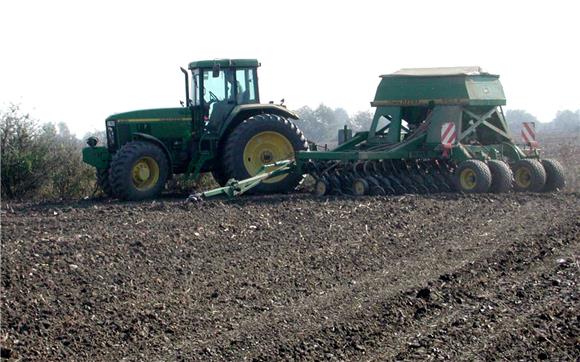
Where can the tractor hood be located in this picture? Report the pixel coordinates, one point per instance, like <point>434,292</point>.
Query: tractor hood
<point>153,114</point>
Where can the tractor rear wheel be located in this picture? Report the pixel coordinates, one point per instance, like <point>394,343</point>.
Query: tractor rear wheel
<point>502,177</point>
<point>555,179</point>
<point>473,176</point>
<point>260,140</point>
<point>103,181</point>
<point>529,175</point>
<point>138,171</point>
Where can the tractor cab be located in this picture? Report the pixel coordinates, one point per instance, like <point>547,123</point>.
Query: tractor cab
<point>221,85</point>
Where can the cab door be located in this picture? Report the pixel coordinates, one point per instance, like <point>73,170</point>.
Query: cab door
<point>219,96</point>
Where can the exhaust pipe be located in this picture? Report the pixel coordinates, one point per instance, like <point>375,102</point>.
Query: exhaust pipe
<point>187,101</point>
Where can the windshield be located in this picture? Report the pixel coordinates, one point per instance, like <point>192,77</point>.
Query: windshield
<point>217,89</point>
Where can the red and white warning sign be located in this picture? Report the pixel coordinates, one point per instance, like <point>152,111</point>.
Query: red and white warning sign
<point>529,133</point>
<point>448,137</point>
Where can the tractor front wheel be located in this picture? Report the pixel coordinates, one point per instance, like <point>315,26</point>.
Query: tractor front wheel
<point>529,175</point>
<point>473,176</point>
<point>138,171</point>
<point>260,140</point>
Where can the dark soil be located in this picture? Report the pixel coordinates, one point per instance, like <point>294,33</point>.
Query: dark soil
<point>293,277</point>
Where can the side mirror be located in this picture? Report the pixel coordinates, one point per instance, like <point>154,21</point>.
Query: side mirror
<point>215,72</point>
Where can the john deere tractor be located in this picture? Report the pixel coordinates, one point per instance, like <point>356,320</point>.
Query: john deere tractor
<point>222,128</point>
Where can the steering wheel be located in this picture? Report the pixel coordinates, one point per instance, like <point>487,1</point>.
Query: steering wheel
<point>212,97</point>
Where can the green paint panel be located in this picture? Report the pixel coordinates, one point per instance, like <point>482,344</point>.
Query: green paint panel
<point>158,113</point>
<point>458,89</point>
<point>224,63</point>
<point>99,157</point>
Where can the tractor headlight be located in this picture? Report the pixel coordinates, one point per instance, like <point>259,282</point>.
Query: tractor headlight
<point>92,141</point>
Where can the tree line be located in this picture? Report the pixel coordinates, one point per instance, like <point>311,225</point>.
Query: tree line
<point>44,161</point>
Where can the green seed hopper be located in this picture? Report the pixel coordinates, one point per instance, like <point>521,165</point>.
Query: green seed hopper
<point>434,130</point>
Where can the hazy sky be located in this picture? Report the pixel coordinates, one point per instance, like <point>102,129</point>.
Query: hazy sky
<point>78,62</point>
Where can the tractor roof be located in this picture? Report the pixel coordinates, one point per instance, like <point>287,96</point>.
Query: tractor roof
<point>437,72</point>
<point>224,63</point>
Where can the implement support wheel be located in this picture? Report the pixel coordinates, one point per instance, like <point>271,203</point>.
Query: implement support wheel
<point>502,178</point>
<point>555,179</point>
<point>529,176</point>
<point>473,176</point>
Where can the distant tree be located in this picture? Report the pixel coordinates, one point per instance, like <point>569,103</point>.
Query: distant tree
<point>565,121</point>
<point>362,121</point>
<point>306,122</point>
<point>515,118</point>
<point>318,124</point>
<point>341,119</point>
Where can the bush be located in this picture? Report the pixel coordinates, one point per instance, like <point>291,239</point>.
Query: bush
<point>69,176</point>
<point>39,161</point>
<point>23,155</point>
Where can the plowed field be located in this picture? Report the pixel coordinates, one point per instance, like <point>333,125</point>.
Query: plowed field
<point>293,277</point>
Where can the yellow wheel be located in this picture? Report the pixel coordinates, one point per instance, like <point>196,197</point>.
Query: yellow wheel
<point>266,148</point>
<point>468,179</point>
<point>261,140</point>
<point>145,173</point>
<point>529,175</point>
<point>523,177</point>
<point>473,176</point>
<point>138,171</point>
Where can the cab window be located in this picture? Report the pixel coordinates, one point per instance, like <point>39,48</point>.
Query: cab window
<point>214,88</point>
<point>246,86</point>
<point>218,91</point>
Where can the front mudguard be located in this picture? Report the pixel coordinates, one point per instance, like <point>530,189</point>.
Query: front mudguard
<point>98,157</point>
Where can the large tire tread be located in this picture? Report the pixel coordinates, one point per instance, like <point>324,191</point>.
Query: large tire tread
<point>233,165</point>
<point>103,181</point>
<point>502,177</point>
<point>482,175</point>
<point>555,175</point>
<point>537,175</point>
<point>120,174</point>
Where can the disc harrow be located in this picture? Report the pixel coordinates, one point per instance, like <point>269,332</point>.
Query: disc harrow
<point>382,177</point>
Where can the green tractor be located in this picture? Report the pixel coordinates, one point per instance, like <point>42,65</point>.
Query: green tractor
<point>222,128</point>
<point>434,130</point>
